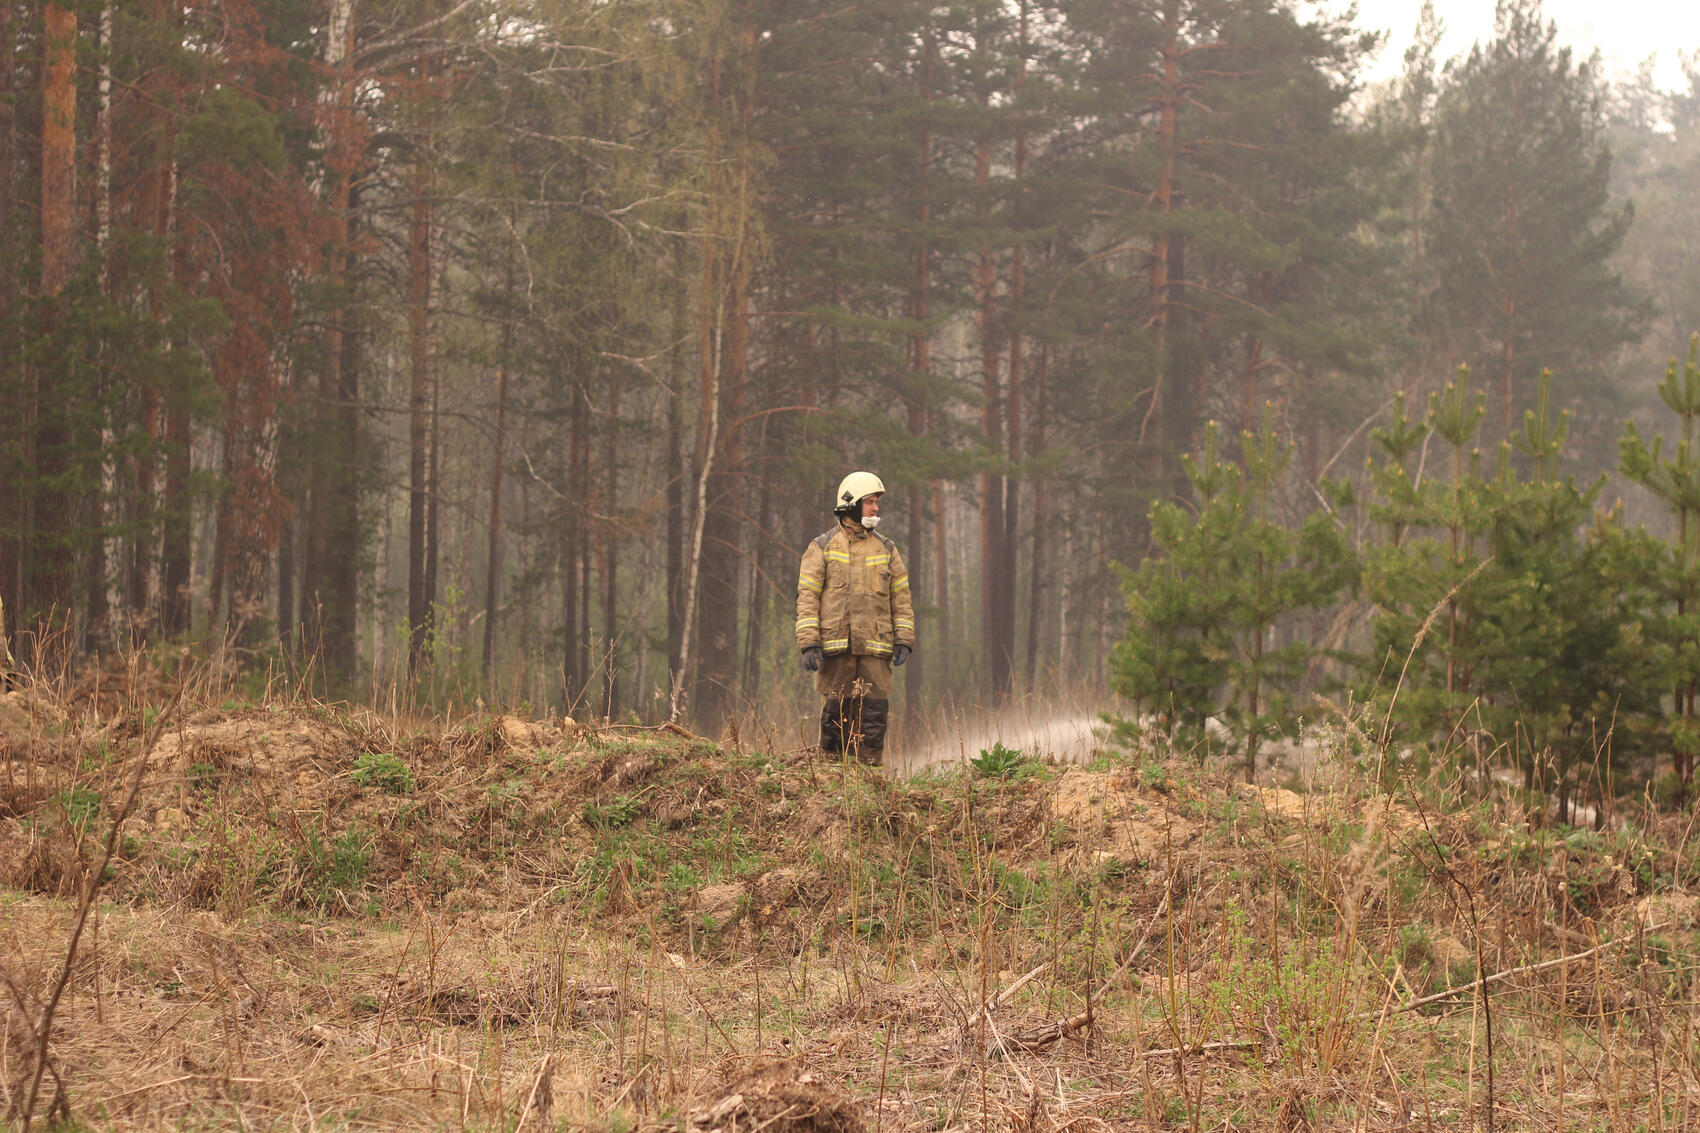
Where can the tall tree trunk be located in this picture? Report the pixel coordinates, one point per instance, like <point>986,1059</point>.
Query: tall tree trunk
<point>756,599</point>
<point>994,650</point>
<point>330,567</point>
<point>1037,582</point>
<point>155,215</point>
<point>1509,287</point>
<point>287,618</point>
<point>11,409</point>
<point>1173,402</point>
<point>723,526</point>
<point>58,148</point>
<point>579,481</point>
<point>1160,295</point>
<point>177,531</point>
<point>720,550</point>
<point>418,421</point>
<point>1248,387</point>
<point>1010,544</point>
<point>498,468</point>
<point>610,546</point>
<point>576,583</point>
<point>675,457</point>
<point>346,529</point>
<point>49,583</point>
<point>103,552</point>
<point>941,584</point>
<point>434,508</point>
<point>920,354</point>
<point>572,539</point>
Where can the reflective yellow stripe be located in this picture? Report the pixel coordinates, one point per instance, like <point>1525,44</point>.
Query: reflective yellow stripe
<point>808,623</point>
<point>878,647</point>
<point>902,623</point>
<point>804,582</point>
<point>900,584</point>
<point>878,560</point>
<point>836,645</point>
<point>838,556</point>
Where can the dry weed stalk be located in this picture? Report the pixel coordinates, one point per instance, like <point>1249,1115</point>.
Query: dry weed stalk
<point>41,1028</point>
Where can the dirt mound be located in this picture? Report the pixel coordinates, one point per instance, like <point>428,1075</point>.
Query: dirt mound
<point>780,1095</point>
<point>25,714</point>
<point>1112,813</point>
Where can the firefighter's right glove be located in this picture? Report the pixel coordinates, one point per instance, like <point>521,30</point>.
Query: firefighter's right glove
<point>813,656</point>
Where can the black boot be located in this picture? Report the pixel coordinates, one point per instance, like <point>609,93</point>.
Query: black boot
<point>874,714</point>
<point>831,727</point>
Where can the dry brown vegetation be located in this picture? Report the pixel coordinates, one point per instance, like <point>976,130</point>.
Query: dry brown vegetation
<point>323,916</point>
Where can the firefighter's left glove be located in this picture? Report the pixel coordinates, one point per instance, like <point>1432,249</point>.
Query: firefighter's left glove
<point>899,654</point>
<point>813,656</point>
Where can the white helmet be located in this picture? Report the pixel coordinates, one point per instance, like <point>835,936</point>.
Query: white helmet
<point>853,489</point>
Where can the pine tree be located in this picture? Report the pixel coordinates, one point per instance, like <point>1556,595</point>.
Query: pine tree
<point>1673,570</point>
<point>1204,610</point>
<point>1505,621</point>
<point>1522,235</point>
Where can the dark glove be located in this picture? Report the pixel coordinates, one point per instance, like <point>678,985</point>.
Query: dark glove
<point>900,654</point>
<point>813,656</point>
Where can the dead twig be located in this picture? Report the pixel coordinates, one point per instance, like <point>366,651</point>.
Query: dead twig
<point>85,905</point>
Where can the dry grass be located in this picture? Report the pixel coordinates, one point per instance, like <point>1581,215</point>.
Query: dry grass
<point>323,917</point>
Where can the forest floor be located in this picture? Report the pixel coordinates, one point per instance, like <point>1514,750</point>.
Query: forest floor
<point>317,916</point>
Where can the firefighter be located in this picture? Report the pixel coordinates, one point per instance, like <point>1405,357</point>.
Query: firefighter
<point>855,620</point>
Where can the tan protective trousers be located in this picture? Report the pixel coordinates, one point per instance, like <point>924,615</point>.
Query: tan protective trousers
<point>839,673</point>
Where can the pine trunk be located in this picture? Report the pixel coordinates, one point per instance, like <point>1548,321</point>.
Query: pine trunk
<point>1041,519</point>
<point>576,595</point>
<point>723,525</point>
<point>1008,570</point>
<point>58,148</point>
<point>418,423</point>
<point>498,468</point>
<point>994,650</point>
<point>675,493</point>
<point>941,585</point>
<point>177,533</point>
<point>347,535</point>
<point>11,411</point>
<point>330,569</point>
<point>155,215</point>
<point>610,547</point>
<point>49,585</point>
<point>720,553</point>
<point>920,358</point>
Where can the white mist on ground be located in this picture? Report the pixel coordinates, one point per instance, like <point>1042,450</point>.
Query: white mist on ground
<point>1067,736</point>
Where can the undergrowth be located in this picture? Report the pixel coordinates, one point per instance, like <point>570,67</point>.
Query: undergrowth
<point>387,921</point>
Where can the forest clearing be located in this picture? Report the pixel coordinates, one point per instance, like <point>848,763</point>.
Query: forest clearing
<point>323,916</point>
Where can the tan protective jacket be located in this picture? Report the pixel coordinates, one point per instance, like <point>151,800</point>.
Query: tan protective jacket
<point>853,594</point>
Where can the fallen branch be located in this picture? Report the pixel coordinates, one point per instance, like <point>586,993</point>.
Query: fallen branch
<point>1041,1037</point>
<point>1003,997</point>
<point>1199,1048</point>
<point>1525,970</point>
